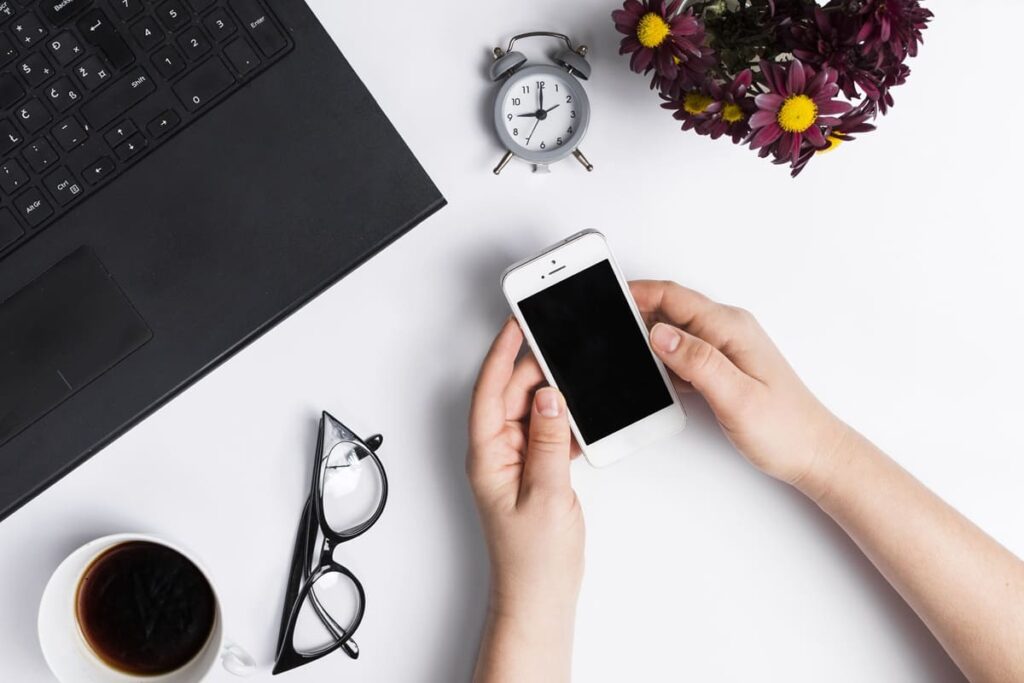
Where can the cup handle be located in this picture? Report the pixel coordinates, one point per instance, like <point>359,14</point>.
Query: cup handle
<point>236,660</point>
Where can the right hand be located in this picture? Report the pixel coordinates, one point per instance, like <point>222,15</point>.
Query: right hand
<point>762,406</point>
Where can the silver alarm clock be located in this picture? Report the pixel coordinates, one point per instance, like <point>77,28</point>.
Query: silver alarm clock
<point>541,112</point>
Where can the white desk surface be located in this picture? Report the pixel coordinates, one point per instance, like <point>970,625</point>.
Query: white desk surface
<point>889,273</point>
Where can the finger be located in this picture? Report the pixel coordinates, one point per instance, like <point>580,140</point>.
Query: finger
<point>487,414</point>
<point>547,453</point>
<point>527,377</point>
<point>731,330</point>
<point>702,365</point>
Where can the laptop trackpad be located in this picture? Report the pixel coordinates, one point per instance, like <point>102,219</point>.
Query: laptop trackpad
<point>57,334</point>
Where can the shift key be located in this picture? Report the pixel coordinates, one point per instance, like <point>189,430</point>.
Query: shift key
<point>118,98</point>
<point>198,88</point>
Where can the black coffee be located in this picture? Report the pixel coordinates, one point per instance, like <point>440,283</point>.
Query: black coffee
<point>144,608</point>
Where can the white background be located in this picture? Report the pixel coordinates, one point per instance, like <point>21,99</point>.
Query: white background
<point>889,273</point>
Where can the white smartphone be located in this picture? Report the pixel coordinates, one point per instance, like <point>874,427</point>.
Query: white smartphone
<point>579,318</point>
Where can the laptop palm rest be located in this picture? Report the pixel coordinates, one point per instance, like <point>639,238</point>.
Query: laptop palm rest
<point>58,333</point>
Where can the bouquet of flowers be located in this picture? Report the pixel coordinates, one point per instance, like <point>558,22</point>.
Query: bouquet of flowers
<point>791,78</point>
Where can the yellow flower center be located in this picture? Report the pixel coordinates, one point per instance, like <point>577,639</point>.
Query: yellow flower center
<point>732,113</point>
<point>833,142</point>
<point>652,30</point>
<point>696,103</point>
<point>797,114</point>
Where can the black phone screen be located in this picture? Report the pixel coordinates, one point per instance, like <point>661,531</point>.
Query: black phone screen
<point>597,355</point>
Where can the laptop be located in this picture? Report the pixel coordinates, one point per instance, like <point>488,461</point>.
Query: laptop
<point>176,177</point>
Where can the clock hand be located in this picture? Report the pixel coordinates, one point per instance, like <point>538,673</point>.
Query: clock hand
<point>530,115</point>
<point>540,90</point>
<point>532,132</point>
<point>550,108</point>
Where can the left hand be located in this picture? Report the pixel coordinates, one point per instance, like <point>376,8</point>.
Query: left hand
<point>518,466</point>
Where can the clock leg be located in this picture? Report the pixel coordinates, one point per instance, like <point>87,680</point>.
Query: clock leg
<point>503,163</point>
<point>582,159</point>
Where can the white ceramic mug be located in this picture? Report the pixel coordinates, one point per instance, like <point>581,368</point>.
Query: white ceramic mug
<point>72,660</point>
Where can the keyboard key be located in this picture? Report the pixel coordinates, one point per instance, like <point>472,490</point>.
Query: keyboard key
<point>242,57</point>
<point>194,44</point>
<point>10,231</point>
<point>10,138</point>
<point>58,12</point>
<point>201,86</point>
<point>132,147</point>
<point>36,70</point>
<point>65,48</point>
<point>40,155</point>
<point>173,15</point>
<point>260,26</point>
<point>92,72</point>
<point>33,207</point>
<point>7,50</point>
<point>119,97</point>
<point>168,62</point>
<point>120,133</point>
<point>63,186</point>
<point>163,124</point>
<point>98,30</point>
<point>28,30</point>
<point>148,33</point>
<point>220,25</point>
<point>98,170</point>
<point>7,10</point>
<point>33,115</point>
<point>12,176</point>
<point>11,91</point>
<point>200,6</point>
<point>126,9</point>
<point>63,95</point>
<point>69,134</point>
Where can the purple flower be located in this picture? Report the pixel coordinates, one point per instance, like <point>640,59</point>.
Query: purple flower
<point>735,107</point>
<point>799,102</point>
<point>660,37</point>
<point>830,40</point>
<point>850,124</point>
<point>892,28</point>
<point>695,107</point>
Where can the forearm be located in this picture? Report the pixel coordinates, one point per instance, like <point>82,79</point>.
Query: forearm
<point>967,588</point>
<point>519,647</point>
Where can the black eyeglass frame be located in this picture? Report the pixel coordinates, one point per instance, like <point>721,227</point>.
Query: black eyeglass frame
<point>304,573</point>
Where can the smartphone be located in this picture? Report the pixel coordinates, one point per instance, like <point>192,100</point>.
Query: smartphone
<point>583,326</point>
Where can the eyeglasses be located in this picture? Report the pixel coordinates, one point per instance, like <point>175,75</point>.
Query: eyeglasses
<point>324,602</point>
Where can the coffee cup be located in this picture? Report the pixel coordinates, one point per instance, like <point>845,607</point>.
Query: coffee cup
<point>71,650</point>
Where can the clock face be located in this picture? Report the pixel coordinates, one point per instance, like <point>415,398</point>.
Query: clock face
<point>543,112</point>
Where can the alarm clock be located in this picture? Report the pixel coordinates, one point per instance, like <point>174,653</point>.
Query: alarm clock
<point>541,111</point>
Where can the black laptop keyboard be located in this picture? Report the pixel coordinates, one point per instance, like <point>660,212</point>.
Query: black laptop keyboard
<point>90,87</point>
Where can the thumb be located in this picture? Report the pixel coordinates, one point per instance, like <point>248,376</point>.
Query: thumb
<point>700,364</point>
<point>548,451</point>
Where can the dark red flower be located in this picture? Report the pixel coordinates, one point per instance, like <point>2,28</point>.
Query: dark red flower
<point>798,104</point>
<point>830,40</point>
<point>732,116</point>
<point>892,28</point>
<point>660,37</point>
<point>850,124</point>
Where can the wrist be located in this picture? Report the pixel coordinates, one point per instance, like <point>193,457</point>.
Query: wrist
<point>835,447</point>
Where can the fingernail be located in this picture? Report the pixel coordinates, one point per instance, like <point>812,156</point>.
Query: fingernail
<point>548,404</point>
<point>665,338</point>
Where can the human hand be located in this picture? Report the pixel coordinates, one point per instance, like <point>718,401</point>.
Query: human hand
<point>518,466</point>
<point>762,406</point>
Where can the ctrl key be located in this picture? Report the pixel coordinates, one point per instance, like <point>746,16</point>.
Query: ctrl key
<point>63,186</point>
<point>33,207</point>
